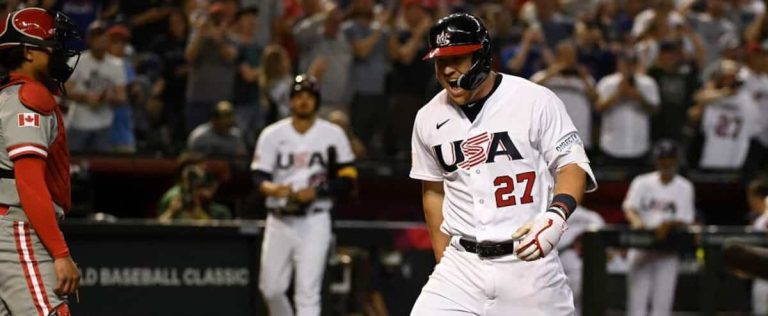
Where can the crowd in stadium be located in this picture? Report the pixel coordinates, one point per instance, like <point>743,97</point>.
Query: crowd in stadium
<point>161,76</point>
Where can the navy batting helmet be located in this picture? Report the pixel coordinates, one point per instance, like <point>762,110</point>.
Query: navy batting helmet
<point>460,34</point>
<point>304,82</point>
<point>666,148</point>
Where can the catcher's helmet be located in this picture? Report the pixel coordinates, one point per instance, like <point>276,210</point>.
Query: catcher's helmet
<point>460,34</point>
<point>666,148</point>
<point>305,82</point>
<point>36,27</point>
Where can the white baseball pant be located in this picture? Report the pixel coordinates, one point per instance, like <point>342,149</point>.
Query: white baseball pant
<point>462,284</point>
<point>294,241</point>
<point>760,297</point>
<point>652,275</point>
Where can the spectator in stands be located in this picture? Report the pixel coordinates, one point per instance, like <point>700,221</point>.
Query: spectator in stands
<point>727,117</point>
<point>170,47</point>
<point>211,54</point>
<point>219,137</point>
<point>123,138</point>
<point>615,21</point>
<point>96,86</point>
<point>510,28</point>
<point>626,100</point>
<point>269,13</point>
<point>410,75</point>
<point>326,54</point>
<point>593,51</point>
<point>574,85</point>
<point>368,35</point>
<point>275,83</point>
<point>677,80</point>
<point>529,56</point>
<point>714,28</point>
<point>555,26</point>
<point>193,196</point>
<point>658,31</point>
<point>145,18</point>
<point>246,96</point>
<point>662,11</point>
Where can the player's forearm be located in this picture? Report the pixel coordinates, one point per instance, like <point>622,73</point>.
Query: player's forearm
<point>36,201</point>
<point>269,188</point>
<point>633,218</point>
<point>432,199</point>
<point>571,180</point>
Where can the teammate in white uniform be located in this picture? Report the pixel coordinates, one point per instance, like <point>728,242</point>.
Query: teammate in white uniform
<point>491,151</point>
<point>300,164</point>
<point>654,199</point>
<point>570,248</point>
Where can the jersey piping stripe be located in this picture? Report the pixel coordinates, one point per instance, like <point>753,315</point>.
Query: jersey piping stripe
<point>26,149</point>
<point>34,282</point>
<point>39,276</point>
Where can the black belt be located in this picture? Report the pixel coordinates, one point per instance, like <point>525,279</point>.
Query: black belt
<point>299,212</point>
<point>488,249</point>
<point>7,174</point>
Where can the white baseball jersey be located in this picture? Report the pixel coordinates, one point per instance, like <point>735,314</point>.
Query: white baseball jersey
<point>625,131</point>
<point>656,202</point>
<point>300,160</point>
<point>498,171</point>
<point>728,125</point>
<point>757,86</point>
<point>572,91</point>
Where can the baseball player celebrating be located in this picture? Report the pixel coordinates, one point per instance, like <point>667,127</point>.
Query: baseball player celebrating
<point>655,200</point>
<point>36,270</point>
<point>502,169</point>
<point>300,164</point>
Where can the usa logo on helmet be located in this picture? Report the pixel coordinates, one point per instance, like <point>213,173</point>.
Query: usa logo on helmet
<point>443,39</point>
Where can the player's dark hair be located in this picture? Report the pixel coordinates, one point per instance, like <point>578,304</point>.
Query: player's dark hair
<point>760,185</point>
<point>12,58</point>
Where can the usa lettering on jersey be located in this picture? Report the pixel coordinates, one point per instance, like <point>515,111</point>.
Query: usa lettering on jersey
<point>481,148</point>
<point>300,160</point>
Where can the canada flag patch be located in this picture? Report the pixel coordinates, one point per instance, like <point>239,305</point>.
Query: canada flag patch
<point>29,120</point>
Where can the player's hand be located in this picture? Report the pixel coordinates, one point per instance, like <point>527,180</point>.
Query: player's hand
<point>539,236</point>
<point>282,191</point>
<point>67,276</point>
<point>306,195</point>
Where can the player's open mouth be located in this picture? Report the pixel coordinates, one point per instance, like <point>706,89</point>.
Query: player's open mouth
<point>453,83</point>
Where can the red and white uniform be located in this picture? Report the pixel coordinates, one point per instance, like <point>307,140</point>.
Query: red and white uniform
<point>498,173</point>
<point>34,192</point>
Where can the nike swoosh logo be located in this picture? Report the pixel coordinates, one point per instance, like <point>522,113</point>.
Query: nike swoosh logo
<point>439,125</point>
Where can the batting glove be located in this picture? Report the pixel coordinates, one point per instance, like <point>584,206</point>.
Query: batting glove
<point>539,236</point>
